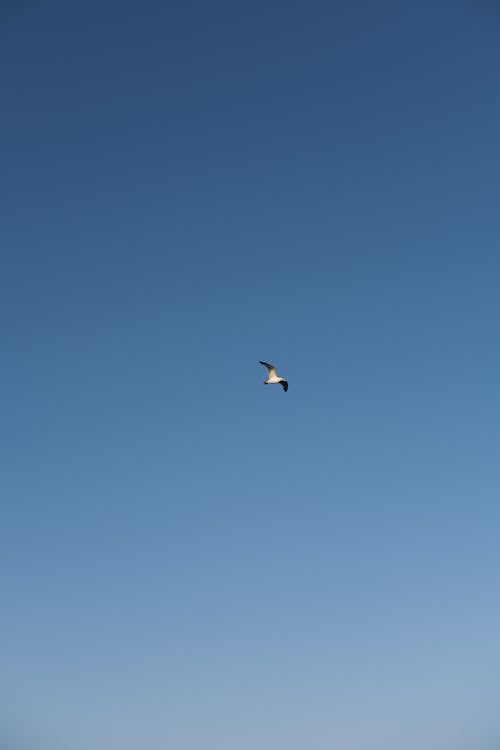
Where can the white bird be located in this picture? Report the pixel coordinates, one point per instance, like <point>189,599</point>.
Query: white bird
<point>273,376</point>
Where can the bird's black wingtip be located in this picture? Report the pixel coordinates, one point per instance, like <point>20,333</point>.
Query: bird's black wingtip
<point>284,383</point>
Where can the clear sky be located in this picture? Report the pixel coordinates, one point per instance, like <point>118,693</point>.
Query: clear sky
<point>190,559</point>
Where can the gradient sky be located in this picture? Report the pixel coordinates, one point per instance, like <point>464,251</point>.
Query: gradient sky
<point>191,560</point>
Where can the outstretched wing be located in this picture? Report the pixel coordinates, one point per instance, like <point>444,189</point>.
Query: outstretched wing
<point>284,383</point>
<point>271,368</point>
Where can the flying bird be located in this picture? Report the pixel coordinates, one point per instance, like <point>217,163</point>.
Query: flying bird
<point>273,376</point>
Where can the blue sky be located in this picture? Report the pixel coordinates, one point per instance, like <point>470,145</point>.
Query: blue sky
<point>190,559</point>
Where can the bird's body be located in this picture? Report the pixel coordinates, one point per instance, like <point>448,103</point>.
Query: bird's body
<point>273,378</point>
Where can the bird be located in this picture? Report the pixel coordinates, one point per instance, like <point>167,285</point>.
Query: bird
<point>273,377</point>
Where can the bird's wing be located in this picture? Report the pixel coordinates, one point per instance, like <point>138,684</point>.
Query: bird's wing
<point>284,383</point>
<point>271,368</point>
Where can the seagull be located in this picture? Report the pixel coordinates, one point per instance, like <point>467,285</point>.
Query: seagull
<point>273,377</point>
